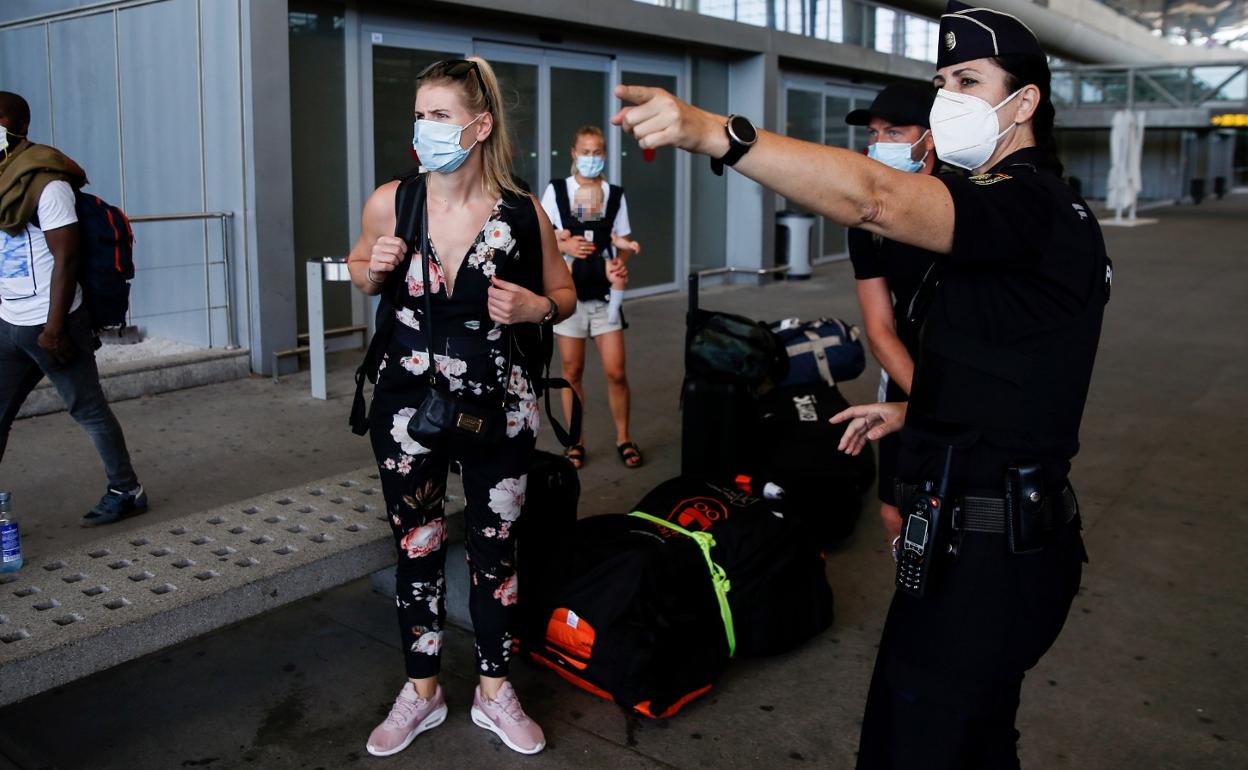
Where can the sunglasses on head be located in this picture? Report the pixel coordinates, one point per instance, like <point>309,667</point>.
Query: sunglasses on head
<point>457,69</point>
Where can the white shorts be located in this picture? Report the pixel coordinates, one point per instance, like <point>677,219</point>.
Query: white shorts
<point>589,320</point>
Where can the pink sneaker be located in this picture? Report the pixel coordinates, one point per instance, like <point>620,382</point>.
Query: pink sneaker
<point>506,719</point>
<point>410,716</point>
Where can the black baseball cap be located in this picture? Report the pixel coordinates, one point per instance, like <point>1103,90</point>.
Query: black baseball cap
<point>902,104</point>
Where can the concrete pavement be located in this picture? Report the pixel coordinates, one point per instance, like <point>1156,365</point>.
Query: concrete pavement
<point>1149,671</point>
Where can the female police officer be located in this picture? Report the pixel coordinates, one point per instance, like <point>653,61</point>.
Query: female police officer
<point>1006,359</point>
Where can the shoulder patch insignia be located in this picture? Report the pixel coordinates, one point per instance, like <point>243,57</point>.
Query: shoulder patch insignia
<point>987,179</point>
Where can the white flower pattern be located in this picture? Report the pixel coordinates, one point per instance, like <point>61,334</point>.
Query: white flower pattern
<point>398,432</point>
<point>507,497</point>
<point>498,235</point>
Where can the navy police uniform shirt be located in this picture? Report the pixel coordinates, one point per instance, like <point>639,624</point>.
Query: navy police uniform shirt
<point>1025,283</point>
<point>901,265</point>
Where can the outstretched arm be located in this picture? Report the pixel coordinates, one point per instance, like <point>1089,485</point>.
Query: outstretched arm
<point>839,184</point>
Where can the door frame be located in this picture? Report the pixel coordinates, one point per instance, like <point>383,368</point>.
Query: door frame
<point>364,30</point>
<point>680,69</point>
<point>860,96</point>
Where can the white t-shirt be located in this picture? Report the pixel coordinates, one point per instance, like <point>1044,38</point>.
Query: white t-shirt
<point>26,262</point>
<point>621,226</point>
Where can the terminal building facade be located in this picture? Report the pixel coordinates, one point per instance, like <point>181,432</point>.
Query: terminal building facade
<point>245,135</point>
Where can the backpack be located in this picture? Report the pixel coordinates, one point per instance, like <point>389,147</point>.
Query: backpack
<point>105,260</point>
<point>730,348</point>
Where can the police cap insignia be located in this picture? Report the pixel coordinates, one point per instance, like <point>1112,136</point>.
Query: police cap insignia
<point>972,33</point>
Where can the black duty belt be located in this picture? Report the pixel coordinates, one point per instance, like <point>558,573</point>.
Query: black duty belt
<point>986,513</point>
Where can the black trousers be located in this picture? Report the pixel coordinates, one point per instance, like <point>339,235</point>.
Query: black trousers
<point>950,667</point>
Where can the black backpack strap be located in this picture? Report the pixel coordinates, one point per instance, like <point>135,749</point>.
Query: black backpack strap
<point>409,201</point>
<point>560,186</point>
<point>615,198</point>
<point>569,437</point>
<point>538,345</point>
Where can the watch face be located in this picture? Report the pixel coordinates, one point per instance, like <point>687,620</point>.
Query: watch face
<point>742,129</point>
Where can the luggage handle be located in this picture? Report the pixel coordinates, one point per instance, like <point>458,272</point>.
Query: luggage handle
<point>696,277</point>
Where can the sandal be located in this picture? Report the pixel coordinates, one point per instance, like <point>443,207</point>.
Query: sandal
<point>575,455</point>
<point>630,454</point>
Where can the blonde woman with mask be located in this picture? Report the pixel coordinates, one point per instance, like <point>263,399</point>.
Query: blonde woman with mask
<point>461,329</point>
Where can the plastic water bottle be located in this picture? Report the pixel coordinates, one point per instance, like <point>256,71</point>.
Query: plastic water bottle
<point>10,538</point>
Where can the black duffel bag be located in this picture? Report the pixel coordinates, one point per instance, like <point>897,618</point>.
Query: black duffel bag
<point>778,588</point>
<point>636,619</point>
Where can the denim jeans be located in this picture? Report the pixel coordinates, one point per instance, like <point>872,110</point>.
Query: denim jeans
<point>23,364</point>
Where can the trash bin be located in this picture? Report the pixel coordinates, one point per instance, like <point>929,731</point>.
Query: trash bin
<point>1197,188</point>
<point>793,242</point>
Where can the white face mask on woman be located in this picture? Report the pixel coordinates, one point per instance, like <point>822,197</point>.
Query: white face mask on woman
<point>965,128</point>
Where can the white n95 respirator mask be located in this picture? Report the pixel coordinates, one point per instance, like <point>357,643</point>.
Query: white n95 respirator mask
<point>965,128</point>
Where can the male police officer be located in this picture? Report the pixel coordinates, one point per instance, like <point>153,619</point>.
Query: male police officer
<point>889,273</point>
<point>1007,350</point>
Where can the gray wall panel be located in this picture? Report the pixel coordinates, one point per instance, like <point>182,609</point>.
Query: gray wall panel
<point>24,70</point>
<point>223,142</point>
<point>159,66</point>
<point>160,127</point>
<point>84,99</point>
<point>12,10</point>
<point>161,291</point>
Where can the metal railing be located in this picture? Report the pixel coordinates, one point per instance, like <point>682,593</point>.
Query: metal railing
<point>1164,86</point>
<point>224,217</point>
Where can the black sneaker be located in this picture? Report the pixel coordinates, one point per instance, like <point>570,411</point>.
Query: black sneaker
<point>115,506</point>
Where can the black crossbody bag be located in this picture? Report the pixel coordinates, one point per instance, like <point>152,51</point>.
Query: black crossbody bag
<point>441,415</point>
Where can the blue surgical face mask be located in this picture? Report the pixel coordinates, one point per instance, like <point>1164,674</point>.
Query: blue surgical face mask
<point>590,166</point>
<point>437,145</point>
<point>897,155</point>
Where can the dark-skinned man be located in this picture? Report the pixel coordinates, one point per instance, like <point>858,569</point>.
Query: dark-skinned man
<point>44,329</point>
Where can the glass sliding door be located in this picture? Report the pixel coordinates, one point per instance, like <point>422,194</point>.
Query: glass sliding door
<point>578,97</point>
<point>394,93</point>
<point>837,134</point>
<point>815,112</point>
<point>650,180</point>
<point>518,84</point>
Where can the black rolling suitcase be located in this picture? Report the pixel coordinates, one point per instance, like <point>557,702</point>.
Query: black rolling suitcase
<point>727,359</point>
<point>544,541</point>
<point>822,486</point>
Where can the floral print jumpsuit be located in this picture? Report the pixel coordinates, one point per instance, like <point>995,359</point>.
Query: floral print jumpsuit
<point>472,357</point>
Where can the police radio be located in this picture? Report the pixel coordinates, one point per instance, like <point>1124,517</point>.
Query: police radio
<point>920,537</point>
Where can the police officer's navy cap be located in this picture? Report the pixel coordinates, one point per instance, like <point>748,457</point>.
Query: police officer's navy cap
<point>902,104</point>
<point>968,33</point>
